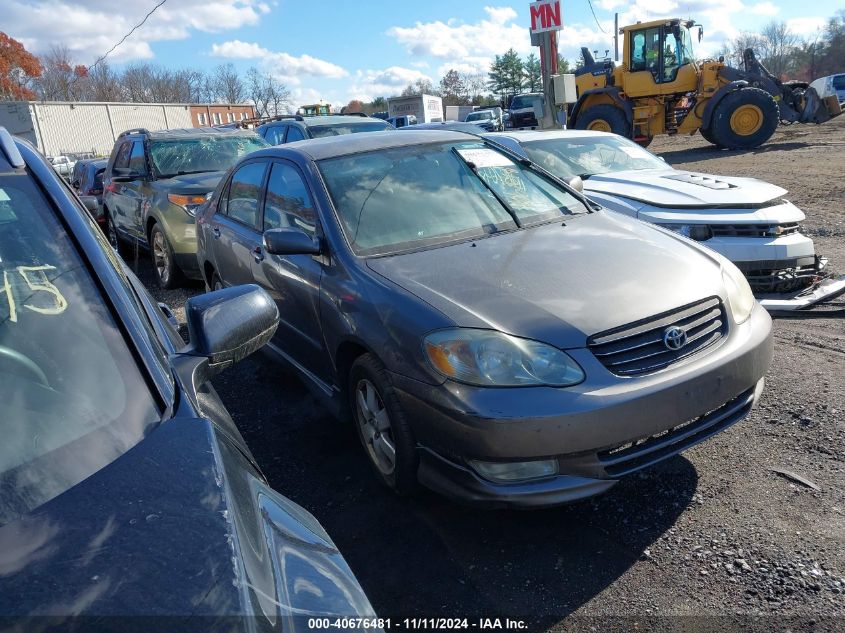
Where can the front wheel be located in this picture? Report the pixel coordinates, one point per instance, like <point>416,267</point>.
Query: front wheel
<point>111,232</point>
<point>382,428</point>
<point>744,119</point>
<point>604,118</point>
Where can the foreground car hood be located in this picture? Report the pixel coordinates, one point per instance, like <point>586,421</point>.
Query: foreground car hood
<point>171,528</point>
<point>559,284</point>
<point>192,183</point>
<point>675,188</point>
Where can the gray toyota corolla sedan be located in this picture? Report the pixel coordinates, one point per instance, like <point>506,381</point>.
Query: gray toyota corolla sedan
<point>492,335</point>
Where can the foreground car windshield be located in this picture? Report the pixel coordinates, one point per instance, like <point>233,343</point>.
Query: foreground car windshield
<point>411,197</point>
<point>568,157</point>
<point>206,153</point>
<point>319,131</point>
<point>71,396</point>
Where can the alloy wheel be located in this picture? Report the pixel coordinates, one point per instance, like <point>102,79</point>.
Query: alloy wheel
<point>161,257</point>
<point>374,423</point>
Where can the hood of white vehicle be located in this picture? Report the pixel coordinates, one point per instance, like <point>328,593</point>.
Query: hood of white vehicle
<point>675,188</point>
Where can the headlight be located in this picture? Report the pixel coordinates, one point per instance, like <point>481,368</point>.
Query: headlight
<point>697,232</point>
<point>189,203</point>
<point>493,359</point>
<point>740,297</point>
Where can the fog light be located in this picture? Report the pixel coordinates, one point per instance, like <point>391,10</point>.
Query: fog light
<point>510,472</point>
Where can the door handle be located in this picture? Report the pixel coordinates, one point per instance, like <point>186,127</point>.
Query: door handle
<point>215,231</point>
<point>258,254</point>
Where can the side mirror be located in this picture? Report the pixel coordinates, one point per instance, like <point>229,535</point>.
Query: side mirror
<point>226,326</point>
<point>577,184</point>
<point>90,203</point>
<point>290,242</point>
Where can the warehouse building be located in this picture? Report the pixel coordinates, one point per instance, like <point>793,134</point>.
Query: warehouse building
<point>90,128</point>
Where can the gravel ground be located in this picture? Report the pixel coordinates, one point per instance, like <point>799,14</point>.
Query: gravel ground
<point>713,539</point>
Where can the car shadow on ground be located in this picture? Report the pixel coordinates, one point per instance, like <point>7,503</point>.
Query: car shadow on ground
<point>711,152</point>
<point>426,556</point>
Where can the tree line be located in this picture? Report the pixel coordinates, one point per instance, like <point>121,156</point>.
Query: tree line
<point>788,56</point>
<point>53,77</point>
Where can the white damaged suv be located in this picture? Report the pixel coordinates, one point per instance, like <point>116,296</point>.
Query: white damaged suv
<point>746,220</point>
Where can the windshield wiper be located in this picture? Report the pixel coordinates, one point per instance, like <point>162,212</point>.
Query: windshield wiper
<point>499,198</point>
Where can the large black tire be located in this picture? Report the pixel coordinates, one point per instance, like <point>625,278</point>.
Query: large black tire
<point>368,372</point>
<point>744,119</point>
<point>708,136</point>
<point>166,271</point>
<point>604,118</point>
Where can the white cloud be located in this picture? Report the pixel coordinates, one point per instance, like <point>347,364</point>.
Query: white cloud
<point>91,28</point>
<point>286,67</point>
<point>806,26</point>
<point>369,84</point>
<point>468,65</point>
<point>454,39</point>
<point>764,8</point>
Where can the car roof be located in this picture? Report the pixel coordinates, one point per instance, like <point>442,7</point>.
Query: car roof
<point>189,132</point>
<point>333,119</point>
<point>456,126</point>
<point>329,147</point>
<point>527,136</point>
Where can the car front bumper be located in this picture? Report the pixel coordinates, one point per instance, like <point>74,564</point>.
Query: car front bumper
<point>587,428</point>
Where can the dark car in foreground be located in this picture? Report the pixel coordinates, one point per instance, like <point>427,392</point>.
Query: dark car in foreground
<point>295,127</point>
<point>126,489</point>
<point>493,335</point>
<point>154,183</point>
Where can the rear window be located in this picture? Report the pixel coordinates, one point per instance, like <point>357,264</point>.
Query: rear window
<point>839,82</point>
<point>201,154</point>
<point>72,397</point>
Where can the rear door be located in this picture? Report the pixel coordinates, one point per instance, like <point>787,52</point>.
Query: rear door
<point>236,226</point>
<point>294,280</point>
<point>134,192</point>
<point>115,199</point>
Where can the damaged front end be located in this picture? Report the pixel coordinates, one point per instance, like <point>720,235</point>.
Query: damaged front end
<point>790,285</point>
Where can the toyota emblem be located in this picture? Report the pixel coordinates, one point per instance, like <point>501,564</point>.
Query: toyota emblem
<point>674,338</point>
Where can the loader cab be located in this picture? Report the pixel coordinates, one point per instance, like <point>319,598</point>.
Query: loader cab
<point>659,56</point>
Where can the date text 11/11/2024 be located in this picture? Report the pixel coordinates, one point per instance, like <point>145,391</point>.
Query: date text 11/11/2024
<point>387,624</point>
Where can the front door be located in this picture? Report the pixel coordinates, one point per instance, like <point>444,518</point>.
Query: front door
<point>236,226</point>
<point>294,280</point>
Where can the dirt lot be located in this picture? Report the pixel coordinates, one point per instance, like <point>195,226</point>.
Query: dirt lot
<point>714,533</point>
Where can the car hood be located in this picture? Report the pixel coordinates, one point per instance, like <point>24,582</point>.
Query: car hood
<point>192,183</point>
<point>176,526</point>
<point>675,188</point>
<point>559,284</point>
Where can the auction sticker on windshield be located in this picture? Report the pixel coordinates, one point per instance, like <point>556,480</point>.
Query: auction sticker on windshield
<point>485,157</point>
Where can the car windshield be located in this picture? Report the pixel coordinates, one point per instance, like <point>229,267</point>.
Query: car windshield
<point>318,131</point>
<point>72,398</point>
<point>523,101</point>
<point>479,116</point>
<point>212,152</point>
<point>566,157</point>
<point>407,198</point>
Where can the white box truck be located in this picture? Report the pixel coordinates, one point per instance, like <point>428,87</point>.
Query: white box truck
<point>426,108</point>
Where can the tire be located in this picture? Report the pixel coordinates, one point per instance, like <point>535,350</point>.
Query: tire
<point>216,282</point>
<point>604,118</point>
<point>167,273</point>
<point>744,119</point>
<point>111,232</point>
<point>371,398</point>
<point>708,136</point>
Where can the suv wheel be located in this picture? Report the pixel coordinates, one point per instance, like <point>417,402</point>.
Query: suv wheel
<point>165,268</point>
<point>111,232</point>
<point>382,428</point>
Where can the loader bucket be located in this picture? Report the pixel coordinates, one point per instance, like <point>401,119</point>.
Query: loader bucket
<point>816,109</point>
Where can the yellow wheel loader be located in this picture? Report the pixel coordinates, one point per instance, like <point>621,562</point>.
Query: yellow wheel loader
<point>660,88</point>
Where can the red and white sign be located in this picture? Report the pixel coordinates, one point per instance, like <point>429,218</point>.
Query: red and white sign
<point>545,16</point>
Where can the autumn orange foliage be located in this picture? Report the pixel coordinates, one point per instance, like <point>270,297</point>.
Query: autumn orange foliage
<point>16,65</point>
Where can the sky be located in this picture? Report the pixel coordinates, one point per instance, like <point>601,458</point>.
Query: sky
<point>336,50</point>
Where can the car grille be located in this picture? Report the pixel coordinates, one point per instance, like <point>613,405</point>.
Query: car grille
<point>754,230</point>
<point>633,456</point>
<point>638,348</point>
